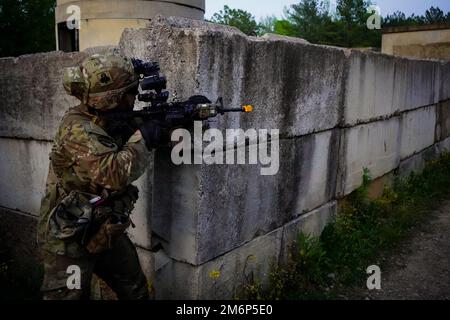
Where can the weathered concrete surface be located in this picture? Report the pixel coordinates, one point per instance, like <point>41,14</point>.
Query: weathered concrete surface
<point>380,85</point>
<point>374,146</point>
<point>312,223</point>
<point>443,120</point>
<point>445,82</point>
<point>216,209</point>
<point>338,111</point>
<point>179,280</point>
<point>417,130</point>
<point>141,216</point>
<point>417,83</point>
<point>417,162</point>
<point>147,262</point>
<point>33,97</point>
<point>443,146</point>
<point>18,234</point>
<point>24,191</point>
<point>224,277</point>
<point>23,173</point>
<point>273,73</point>
<point>370,87</point>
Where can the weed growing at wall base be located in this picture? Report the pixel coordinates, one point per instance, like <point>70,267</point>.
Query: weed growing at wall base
<point>323,267</point>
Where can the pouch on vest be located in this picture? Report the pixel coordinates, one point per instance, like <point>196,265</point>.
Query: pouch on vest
<point>70,219</point>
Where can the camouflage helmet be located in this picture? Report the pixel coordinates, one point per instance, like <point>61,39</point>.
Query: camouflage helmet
<point>101,80</point>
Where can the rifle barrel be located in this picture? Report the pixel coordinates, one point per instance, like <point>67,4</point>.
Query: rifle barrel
<point>232,110</point>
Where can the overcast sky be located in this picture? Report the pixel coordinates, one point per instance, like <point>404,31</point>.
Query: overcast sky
<point>262,8</point>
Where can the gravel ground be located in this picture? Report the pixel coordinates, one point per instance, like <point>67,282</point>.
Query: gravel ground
<point>420,268</point>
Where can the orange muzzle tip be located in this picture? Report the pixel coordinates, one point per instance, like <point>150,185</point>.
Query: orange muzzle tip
<point>248,109</point>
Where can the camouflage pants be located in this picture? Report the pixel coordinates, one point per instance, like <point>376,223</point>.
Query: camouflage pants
<point>118,267</point>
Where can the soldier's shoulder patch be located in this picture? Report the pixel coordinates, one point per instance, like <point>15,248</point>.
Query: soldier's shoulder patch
<point>100,141</point>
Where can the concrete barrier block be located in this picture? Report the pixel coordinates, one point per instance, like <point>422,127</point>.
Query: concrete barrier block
<point>33,97</point>
<point>445,81</point>
<point>379,86</point>
<point>175,206</point>
<point>370,87</point>
<point>417,162</point>
<point>23,173</point>
<point>177,281</point>
<point>374,146</point>
<point>223,277</point>
<point>443,120</point>
<point>312,224</point>
<point>235,210</point>
<point>443,146</point>
<point>417,83</point>
<point>147,262</point>
<point>417,130</point>
<point>272,73</point>
<point>295,87</point>
<point>205,211</point>
<point>141,217</point>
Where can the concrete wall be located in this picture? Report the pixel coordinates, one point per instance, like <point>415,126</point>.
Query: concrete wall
<point>425,42</point>
<point>338,111</point>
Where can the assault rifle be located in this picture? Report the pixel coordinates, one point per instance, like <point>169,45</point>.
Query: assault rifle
<point>153,88</point>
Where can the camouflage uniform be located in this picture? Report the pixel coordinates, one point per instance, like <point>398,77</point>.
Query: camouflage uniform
<point>88,161</point>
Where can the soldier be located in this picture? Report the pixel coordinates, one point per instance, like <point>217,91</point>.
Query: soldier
<point>89,196</point>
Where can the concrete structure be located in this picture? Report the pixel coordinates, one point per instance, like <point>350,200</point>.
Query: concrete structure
<point>426,42</point>
<point>103,21</point>
<point>338,110</point>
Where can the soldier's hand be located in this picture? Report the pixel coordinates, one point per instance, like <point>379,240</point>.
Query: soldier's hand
<point>155,134</point>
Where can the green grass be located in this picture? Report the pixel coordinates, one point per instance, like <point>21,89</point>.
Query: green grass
<point>322,267</point>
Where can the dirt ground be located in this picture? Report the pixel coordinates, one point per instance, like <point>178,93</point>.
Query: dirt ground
<point>420,268</point>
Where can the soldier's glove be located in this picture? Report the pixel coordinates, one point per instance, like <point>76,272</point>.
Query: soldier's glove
<point>104,239</point>
<point>155,134</point>
<point>130,197</point>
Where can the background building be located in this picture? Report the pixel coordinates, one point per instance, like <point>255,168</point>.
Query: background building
<point>428,41</point>
<point>103,21</point>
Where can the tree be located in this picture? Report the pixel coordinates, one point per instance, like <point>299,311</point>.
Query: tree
<point>267,25</point>
<point>352,22</point>
<point>434,15</point>
<point>313,21</point>
<point>26,26</point>
<point>238,18</point>
<point>308,19</point>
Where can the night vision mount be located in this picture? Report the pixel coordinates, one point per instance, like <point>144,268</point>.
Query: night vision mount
<point>153,84</point>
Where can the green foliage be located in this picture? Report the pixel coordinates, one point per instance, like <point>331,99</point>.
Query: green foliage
<point>432,16</point>
<point>320,267</point>
<point>26,26</point>
<point>284,28</point>
<point>267,25</point>
<point>238,18</point>
<point>311,20</point>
